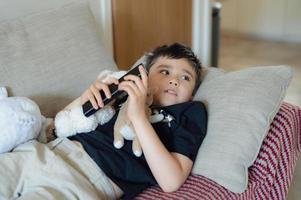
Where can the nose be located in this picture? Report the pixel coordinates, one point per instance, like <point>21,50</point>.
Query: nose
<point>174,82</point>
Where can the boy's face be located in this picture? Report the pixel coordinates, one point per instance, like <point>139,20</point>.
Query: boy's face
<point>172,81</point>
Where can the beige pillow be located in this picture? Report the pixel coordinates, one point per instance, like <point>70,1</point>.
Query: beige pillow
<point>52,56</point>
<point>241,106</point>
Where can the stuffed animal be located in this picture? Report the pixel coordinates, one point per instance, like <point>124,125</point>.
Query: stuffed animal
<point>123,128</point>
<point>20,120</point>
<point>71,120</point>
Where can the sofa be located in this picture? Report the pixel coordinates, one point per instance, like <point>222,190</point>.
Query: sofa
<point>52,55</point>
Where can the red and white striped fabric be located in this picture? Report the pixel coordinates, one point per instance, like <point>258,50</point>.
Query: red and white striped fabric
<point>270,175</point>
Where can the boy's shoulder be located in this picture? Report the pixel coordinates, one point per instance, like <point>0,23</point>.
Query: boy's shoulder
<point>195,108</point>
<point>191,106</point>
<point>196,104</point>
<point>190,109</point>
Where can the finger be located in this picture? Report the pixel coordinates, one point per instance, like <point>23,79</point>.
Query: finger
<point>127,88</point>
<point>112,80</point>
<point>132,86</point>
<point>98,85</point>
<point>107,91</point>
<point>137,81</point>
<point>96,93</point>
<point>93,101</point>
<point>143,76</point>
<point>132,78</point>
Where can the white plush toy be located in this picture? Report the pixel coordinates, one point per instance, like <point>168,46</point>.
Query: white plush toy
<point>123,128</point>
<point>20,120</point>
<point>71,120</point>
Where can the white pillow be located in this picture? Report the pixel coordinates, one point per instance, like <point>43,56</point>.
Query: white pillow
<point>241,106</point>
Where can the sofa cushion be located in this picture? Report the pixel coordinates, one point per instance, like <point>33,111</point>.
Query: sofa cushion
<point>241,106</point>
<point>52,56</point>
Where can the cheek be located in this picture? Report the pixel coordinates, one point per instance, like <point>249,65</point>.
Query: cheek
<point>187,91</point>
<point>151,78</point>
<point>186,95</point>
<point>155,81</point>
<point>153,85</point>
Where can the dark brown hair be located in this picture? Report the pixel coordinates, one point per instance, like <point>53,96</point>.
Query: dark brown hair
<point>176,51</point>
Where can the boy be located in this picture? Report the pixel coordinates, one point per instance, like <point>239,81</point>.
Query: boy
<point>169,148</point>
<point>88,166</point>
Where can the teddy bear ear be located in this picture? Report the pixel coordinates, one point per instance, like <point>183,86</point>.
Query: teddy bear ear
<point>3,93</point>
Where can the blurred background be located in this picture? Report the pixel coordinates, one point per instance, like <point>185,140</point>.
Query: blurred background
<point>236,33</point>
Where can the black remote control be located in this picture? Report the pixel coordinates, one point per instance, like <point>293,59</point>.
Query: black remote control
<point>88,108</point>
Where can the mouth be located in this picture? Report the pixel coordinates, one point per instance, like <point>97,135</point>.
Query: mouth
<point>171,92</point>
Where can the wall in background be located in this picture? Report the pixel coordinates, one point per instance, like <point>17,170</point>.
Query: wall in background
<point>141,25</point>
<point>268,19</point>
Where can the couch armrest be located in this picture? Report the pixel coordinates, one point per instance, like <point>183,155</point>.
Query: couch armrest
<point>273,168</point>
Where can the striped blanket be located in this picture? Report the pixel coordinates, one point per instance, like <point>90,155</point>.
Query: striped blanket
<point>269,176</point>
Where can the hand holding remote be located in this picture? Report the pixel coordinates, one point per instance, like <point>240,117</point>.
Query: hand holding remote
<point>88,109</point>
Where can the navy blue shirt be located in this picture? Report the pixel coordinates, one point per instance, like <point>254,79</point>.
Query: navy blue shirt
<point>182,135</point>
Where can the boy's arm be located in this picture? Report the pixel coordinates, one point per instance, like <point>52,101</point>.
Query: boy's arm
<point>169,169</point>
<point>74,103</point>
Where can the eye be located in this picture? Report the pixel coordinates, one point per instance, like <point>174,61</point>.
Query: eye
<point>186,77</point>
<point>164,71</point>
